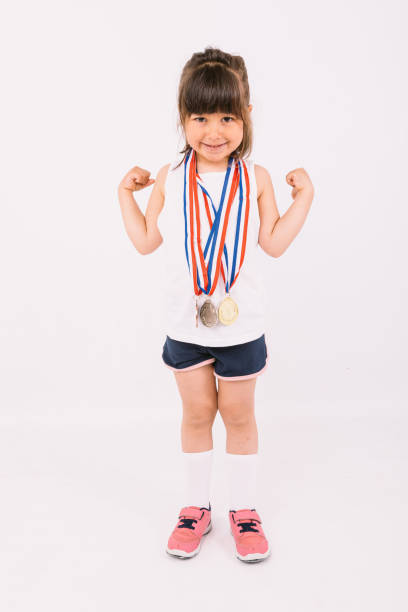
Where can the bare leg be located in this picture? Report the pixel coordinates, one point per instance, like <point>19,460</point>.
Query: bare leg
<point>198,391</point>
<point>236,403</point>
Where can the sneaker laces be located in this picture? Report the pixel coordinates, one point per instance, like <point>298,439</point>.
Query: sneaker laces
<point>187,522</point>
<point>247,525</point>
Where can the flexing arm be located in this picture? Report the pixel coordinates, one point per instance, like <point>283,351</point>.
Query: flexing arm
<point>276,233</point>
<point>142,229</point>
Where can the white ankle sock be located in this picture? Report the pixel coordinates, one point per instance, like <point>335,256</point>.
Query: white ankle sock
<point>242,479</point>
<point>197,477</point>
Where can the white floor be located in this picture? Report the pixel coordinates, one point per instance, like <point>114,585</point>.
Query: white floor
<point>86,513</point>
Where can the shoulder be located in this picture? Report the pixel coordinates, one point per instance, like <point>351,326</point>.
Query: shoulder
<point>262,178</point>
<point>162,173</point>
<point>175,167</point>
<point>161,177</point>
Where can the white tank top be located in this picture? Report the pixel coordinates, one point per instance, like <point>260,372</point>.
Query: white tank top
<point>248,291</point>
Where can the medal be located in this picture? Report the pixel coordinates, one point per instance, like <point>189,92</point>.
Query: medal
<point>206,266</point>
<point>227,311</point>
<point>208,313</point>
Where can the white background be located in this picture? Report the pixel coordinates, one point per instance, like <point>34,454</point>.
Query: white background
<point>90,416</point>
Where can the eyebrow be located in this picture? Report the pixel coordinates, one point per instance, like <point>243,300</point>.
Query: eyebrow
<point>203,114</point>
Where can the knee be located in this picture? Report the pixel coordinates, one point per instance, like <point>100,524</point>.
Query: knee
<point>237,417</point>
<point>199,416</point>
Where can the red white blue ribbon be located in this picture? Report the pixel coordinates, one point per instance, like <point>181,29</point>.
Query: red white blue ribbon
<point>205,265</point>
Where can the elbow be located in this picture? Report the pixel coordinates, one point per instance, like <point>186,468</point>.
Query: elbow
<point>142,251</point>
<point>275,253</point>
<point>272,251</point>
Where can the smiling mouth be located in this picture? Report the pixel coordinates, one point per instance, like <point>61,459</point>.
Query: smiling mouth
<point>214,146</point>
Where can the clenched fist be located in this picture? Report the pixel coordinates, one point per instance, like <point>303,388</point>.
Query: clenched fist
<point>136,179</point>
<point>299,180</point>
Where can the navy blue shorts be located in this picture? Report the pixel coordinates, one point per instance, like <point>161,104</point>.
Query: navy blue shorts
<point>236,362</point>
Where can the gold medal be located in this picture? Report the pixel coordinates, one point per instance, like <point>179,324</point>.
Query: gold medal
<point>227,311</point>
<point>208,313</point>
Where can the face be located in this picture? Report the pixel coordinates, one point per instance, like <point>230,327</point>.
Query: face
<point>214,136</point>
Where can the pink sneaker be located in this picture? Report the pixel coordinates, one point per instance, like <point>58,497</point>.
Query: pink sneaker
<point>250,541</point>
<point>185,539</point>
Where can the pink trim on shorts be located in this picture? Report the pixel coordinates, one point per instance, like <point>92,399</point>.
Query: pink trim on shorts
<point>249,375</point>
<point>193,367</point>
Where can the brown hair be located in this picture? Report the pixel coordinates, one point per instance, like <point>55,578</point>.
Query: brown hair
<point>215,81</point>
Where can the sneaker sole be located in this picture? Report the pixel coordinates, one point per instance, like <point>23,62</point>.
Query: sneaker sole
<point>182,554</point>
<point>254,557</point>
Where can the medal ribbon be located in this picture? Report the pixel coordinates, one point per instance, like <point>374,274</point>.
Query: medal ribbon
<point>205,266</point>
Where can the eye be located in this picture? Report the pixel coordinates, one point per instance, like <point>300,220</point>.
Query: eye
<point>231,118</point>
<point>198,119</point>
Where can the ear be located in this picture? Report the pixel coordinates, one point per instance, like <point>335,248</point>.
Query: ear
<point>250,107</point>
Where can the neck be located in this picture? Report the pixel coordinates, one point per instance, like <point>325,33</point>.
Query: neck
<point>204,165</point>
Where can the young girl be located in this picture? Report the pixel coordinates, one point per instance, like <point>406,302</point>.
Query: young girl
<point>215,207</point>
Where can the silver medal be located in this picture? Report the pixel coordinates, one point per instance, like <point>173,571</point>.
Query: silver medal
<point>208,313</point>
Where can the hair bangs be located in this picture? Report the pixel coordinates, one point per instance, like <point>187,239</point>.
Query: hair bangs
<point>213,89</point>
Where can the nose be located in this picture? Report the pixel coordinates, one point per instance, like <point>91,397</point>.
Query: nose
<point>214,138</point>
<point>214,133</point>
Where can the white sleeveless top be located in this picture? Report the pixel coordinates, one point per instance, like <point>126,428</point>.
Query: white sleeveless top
<point>248,291</point>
